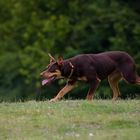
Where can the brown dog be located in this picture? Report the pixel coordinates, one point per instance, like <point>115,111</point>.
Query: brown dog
<point>92,68</point>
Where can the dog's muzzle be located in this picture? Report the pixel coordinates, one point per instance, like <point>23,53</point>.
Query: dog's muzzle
<point>48,77</point>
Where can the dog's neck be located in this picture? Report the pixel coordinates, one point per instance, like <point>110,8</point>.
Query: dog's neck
<point>67,69</point>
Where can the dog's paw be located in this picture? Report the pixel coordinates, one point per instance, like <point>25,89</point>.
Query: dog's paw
<point>89,97</point>
<point>53,100</point>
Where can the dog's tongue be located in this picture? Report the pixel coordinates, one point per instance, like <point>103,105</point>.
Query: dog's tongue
<point>45,82</point>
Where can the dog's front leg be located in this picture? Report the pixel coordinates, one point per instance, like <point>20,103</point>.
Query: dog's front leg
<point>93,87</point>
<point>62,92</point>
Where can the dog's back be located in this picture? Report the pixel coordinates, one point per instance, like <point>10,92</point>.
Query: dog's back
<point>104,63</point>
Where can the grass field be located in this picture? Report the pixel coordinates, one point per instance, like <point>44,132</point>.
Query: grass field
<point>70,120</point>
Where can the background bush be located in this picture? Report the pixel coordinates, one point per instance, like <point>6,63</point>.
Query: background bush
<point>29,30</point>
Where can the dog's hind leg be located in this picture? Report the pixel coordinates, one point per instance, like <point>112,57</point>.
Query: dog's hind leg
<point>113,80</point>
<point>93,86</point>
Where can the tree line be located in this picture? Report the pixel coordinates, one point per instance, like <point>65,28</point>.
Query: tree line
<point>29,30</point>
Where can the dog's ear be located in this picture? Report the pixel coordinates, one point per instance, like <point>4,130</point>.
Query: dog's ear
<point>60,60</point>
<point>52,59</point>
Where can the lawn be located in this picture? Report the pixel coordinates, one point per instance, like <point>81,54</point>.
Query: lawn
<point>70,120</point>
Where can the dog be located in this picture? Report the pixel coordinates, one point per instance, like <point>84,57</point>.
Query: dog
<point>92,68</point>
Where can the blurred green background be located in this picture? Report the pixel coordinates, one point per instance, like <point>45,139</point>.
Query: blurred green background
<point>30,29</point>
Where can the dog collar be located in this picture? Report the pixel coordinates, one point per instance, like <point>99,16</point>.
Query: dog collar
<point>72,69</point>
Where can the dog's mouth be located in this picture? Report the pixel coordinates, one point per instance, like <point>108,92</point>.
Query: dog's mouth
<point>48,81</point>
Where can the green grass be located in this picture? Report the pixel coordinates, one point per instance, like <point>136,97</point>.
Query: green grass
<point>70,120</point>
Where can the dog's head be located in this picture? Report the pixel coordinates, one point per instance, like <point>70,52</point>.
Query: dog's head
<point>52,71</point>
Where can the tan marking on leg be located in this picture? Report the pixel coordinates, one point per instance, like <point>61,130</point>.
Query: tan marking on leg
<point>62,92</point>
<point>89,97</point>
<point>113,80</point>
<point>83,78</point>
<point>98,79</point>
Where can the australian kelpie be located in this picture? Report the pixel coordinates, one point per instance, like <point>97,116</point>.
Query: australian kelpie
<point>92,68</point>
